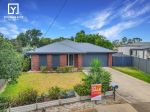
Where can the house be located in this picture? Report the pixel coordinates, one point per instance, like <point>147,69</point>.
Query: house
<point>69,53</point>
<point>139,49</point>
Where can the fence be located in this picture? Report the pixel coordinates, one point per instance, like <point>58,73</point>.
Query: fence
<point>122,60</point>
<point>125,60</point>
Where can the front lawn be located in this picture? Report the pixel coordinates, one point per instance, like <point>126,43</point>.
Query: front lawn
<point>42,82</point>
<point>134,73</point>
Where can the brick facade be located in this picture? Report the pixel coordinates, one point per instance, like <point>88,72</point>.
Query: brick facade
<point>63,60</point>
<point>78,60</point>
<point>49,61</point>
<point>110,60</point>
<point>35,62</point>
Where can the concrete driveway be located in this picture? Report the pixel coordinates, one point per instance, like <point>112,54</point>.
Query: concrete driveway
<point>132,89</point>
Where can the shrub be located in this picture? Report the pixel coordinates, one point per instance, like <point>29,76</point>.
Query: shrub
<point>54,93</point>
<point>80,68</point>
<point>65,69</point>
<point>27,96</point>
<point>82,89</point>
<point>26,64</point>
<point>10,61</point>
<point>44,69</point>
<point>4,100</point>
<point>4,104</point>
<point>97,76</point>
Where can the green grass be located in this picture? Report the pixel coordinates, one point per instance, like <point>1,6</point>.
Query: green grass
<point>42,82</point>
<point>134,73</point>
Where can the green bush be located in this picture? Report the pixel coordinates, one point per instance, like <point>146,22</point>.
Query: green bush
<point>26,64</point>
<point>54,93</point>
<point>97,76</point>
<point>44,69</point>
<point>25,97</point>
<point>10,61</point>
<point>82,89</point>
<point>65,69</point>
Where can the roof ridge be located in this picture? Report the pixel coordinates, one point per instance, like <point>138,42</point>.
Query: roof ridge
<point>71,46</point>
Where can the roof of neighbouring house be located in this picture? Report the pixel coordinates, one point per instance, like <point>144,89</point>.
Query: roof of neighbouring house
<point>68,46</point>
<point>137,44</point>
<point>141,48</point>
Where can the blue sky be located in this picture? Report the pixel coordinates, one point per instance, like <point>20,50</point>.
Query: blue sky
<point>111,18</point>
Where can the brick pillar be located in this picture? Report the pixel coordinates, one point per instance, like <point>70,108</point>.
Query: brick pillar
<point>78,60</point>
<point>63,60</point>
<point>35,62</point>
<point>49,61</point>
<point>110,60</point>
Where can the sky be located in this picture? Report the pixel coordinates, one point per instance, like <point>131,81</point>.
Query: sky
<point>112,18</point>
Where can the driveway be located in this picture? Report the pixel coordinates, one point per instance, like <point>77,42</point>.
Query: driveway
<point>132,89</point>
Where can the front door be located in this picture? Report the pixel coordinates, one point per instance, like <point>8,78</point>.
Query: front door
<point>70,61</point>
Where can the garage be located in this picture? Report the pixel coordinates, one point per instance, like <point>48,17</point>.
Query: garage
<point>87,58</point>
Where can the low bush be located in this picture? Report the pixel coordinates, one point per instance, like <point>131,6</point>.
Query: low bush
<point>44,69</point>
<point>82,89</point>
<point>54,93</point>
<point>97,76</point>
<point>25,97</point>
<point>65,69</point>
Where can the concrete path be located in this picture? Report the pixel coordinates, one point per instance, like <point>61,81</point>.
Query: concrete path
<point>142,107</point>
<point>132,89</point>
<point>115,108</point>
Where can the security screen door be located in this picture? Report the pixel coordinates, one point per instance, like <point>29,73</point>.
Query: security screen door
<point>70,61</point>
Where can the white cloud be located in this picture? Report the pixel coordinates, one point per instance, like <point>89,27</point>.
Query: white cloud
<point>131,10</point>
<point>114,31</point>
<point>11,30</point>
<point>97,21</point>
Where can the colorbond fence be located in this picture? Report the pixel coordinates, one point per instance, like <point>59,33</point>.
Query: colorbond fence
<point>125,60</point>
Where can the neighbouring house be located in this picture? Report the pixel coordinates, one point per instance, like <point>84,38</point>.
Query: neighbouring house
<point>139,49</point>
<point>69,53</point>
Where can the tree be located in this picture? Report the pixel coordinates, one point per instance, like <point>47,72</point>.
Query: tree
<point>124,40</point>
<point>116,43</point>
<point>33,36</point>
<point>30,37</point>
<point>130,41</point>
<point>93,39</point>
<point>10,61</point>
<point>44,41</point>
<point>137,40</point>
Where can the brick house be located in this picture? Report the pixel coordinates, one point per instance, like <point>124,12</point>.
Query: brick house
<point>69,53</point>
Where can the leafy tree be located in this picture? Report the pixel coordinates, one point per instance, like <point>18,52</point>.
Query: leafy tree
<point>137,40</point>
<point>93,39</point>
<point>30,37</point>
<point>10,61</point>
<point>130,41</point>
<point>124,40</point>
<point>116,43</point>
<point>44,41</point>
<point>22,40</point>
<point>33,36</point>
<point>17,44</point>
